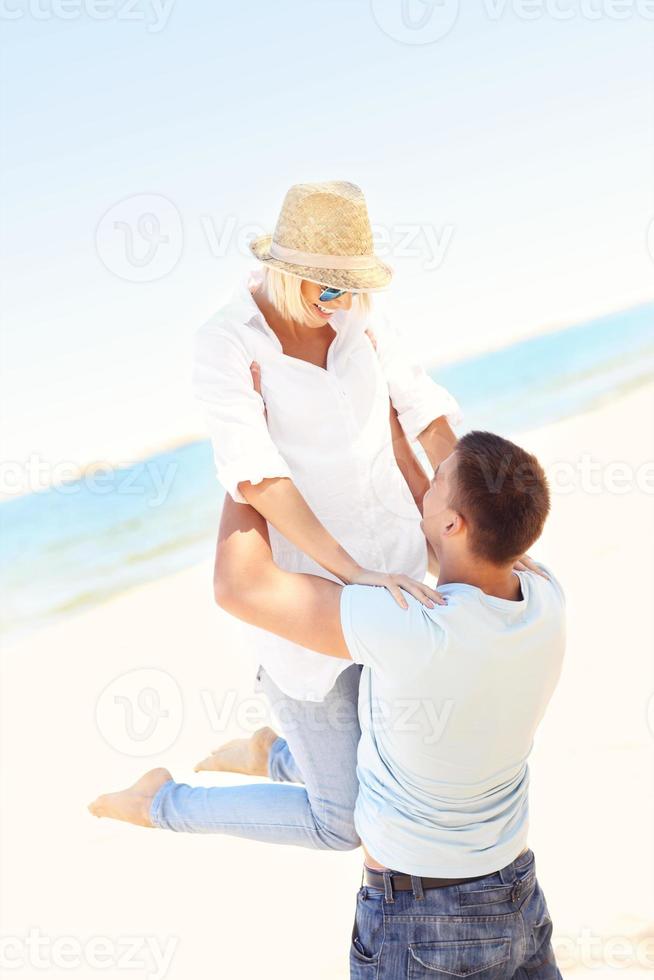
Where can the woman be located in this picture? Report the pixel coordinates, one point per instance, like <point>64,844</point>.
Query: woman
<point>295,377</point>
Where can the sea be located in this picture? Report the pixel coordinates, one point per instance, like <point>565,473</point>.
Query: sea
<point>65,549</point>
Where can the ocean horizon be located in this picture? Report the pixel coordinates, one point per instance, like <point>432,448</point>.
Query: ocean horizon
<point>69,547</point>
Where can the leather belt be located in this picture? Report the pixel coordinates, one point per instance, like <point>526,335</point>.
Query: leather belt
<point>406,883</point>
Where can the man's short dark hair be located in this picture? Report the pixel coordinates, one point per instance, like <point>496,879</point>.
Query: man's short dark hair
<point>502,493</point>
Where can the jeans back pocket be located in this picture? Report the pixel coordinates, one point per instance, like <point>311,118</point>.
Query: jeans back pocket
<point>482,959</point>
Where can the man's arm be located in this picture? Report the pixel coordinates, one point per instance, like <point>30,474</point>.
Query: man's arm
<point>426,410</point>
<point>438,440</point>
<point>283,506</point>
<point>408,463</point>
<point>249,585</point>
<point>413,473</point>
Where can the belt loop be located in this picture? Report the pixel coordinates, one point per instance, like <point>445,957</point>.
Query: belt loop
<point>416,885</point>
<point>388,887</point>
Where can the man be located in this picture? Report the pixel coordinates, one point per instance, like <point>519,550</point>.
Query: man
<point>449,703</point>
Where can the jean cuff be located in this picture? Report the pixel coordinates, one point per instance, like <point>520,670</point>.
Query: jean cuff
<point>157,803</point>
<point>274,749</point>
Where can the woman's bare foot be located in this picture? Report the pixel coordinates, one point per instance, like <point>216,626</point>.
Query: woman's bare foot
<point>245,755</point>
<point>132,804</point>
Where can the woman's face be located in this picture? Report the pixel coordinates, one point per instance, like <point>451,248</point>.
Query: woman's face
<point>321,312</point>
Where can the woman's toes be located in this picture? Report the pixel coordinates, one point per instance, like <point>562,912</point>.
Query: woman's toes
<point>248,756</point>
<point>207,765</point>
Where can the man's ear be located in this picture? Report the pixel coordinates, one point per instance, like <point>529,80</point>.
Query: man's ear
<point>455,525</point>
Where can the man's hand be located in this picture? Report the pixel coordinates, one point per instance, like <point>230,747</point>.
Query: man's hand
<point>527,564</point>
<point>255,371</point>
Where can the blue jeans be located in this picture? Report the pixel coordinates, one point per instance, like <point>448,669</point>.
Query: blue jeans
<point>319,752</point>
<point>496,928</point>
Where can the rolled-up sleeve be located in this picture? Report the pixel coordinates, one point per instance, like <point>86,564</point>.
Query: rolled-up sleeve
<point>416,397</point>
<point>234,412</point>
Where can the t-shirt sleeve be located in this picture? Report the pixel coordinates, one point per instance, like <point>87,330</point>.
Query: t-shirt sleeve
<point>393,642</point>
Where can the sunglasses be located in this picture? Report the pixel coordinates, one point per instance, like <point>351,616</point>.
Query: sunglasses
<point>328,294</point>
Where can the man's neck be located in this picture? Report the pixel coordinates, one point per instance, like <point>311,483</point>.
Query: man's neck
<point>496,580</point>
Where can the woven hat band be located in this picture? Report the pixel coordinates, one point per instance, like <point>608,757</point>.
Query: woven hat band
<point>294,257</point>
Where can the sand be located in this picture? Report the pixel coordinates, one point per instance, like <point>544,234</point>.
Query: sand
<point>111,897</point>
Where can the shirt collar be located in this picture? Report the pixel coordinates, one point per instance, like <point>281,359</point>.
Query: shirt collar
<point>243,305</point>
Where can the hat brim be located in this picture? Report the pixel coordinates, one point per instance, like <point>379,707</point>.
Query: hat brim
<point>353,280</point>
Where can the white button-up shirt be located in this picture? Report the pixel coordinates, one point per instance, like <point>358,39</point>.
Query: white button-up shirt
<point>328,430</point>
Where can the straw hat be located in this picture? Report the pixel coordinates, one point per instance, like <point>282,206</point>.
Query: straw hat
<point>323,234</point>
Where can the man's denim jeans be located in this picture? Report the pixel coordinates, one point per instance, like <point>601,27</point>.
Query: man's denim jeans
<point>496,928</point>
<point>319,752</point>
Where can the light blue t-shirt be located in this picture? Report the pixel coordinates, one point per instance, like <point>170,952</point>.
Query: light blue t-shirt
<point>449,702</point>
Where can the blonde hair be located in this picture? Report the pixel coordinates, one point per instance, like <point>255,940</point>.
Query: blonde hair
<point>284,291</point>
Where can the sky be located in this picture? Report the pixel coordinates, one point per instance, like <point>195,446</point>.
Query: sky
<point>505,148</point>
